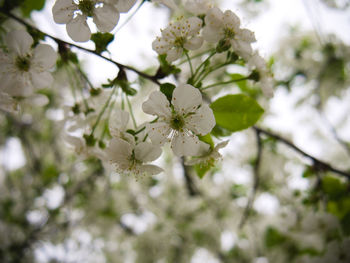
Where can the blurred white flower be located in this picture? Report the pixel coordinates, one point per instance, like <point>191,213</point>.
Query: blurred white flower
<point>265,79</point>
<point>74,13</point>
<point>208,156</point>
<point>224,28</point>
<point>130,158</point>
<point>178,36</point>
<point>186,117</point>
<point>24,69</point>
<point>198,7</point>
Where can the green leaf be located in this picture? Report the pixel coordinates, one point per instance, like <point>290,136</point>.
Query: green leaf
<point>30,5</point>
<point>273,237</point>
<point>167,89</point>
<point>101,40</point>
<point>333,187</point>
<point>219,131</point>
<point>202,169</point>
<point>207,139</point>
<point>236,112</point>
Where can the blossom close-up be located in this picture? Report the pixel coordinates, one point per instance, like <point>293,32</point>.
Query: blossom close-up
<point>24,69</point>
<point>182,120</point>
<point>74,14</point>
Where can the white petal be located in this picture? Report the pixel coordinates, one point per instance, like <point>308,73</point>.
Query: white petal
<point>119,152</point>
<point>157,104</point>
<point>194,43</point>
<point>63,11</point>
<point>161,46</point>
<point>41,79</point>
<point>150,169</point>
<point>124,6</point>
<point>19,42</point>
<point>186,99</point>
<point>7,103</point>
<point>246,35</point>
<point>173,54</point>
<point>185,144</point>
<point>147,152</point>
<point>118,121</point>
<point>221,145</point>
<point>212,35</point>
<point>78,29</point>
<point>202,122</point>
<point>193,25</point>
<point>231,20</point>
<point>168,3</point>
<point>158,132</point>
<point>214,18</point>
<point>106,18</point>
<point>44,56</point>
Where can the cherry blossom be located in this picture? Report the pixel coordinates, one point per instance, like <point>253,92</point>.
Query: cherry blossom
<point>177,37</point>
<point>224,28</point>
<point>208,156</point>
<point>182,120</point>
<point>265,79</point>
<point>74,13</point>
<point>24,69</point>
<point>198,7</point>
<point>130,158</point>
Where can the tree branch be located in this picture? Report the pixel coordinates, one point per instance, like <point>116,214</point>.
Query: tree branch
<point>320,165</point>
<point>256,179</point>
<point>154,79</point>
<point>190,185</point>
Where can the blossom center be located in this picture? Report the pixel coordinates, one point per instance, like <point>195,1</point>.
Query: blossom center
<point>87,7</point>
<point>229,33</point>
<point>23,63</point>
<point>179,42</point>
<point>177,122</point>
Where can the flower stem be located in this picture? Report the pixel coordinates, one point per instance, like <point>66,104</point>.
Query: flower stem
<point>189,62</point>
<point>131,112</point>
<point>224,83</point>
<point>212,53</point>
<point>102,111</point>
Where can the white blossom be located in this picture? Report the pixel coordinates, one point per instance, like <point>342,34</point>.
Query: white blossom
<point>224,28</point>
<point>208,156</point>
<point>168,3</point>
<point>182,120</point>
<point>131,158</point>
<point>74,13</point>
<point>7,103</point>
<point>265,78</point>
<point>178,36</point>
<point>198,7</point>
<point>23,69</point>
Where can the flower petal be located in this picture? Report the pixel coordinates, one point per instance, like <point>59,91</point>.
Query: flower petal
<point>19,42</point>
<point>212,35</point>
<point>63,11</point>
<point>160,45</point>
<point>186,99</point>
<point>157,104</point>
<point>158,132</point>
<point>185,144</point>
<point>173,54</point>
<point>41,79</point>
<point>147,152</point>
<point>119,151</point>
<point>118,121</point>
<point>150,169</point>
<point>44,56</point>
<point>124,6</point>
<point>193,25</point>
<point>78,29</point>
<point>202,122</point>
<point>231,20</point>
<point>193,43</point>
<point>106,18</point>
<point>214,18</point>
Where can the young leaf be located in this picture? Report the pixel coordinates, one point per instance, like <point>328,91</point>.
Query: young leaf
<point>102,40</point>
<point>167,89</point>
<point>236,112</point>
<point>30,5</point>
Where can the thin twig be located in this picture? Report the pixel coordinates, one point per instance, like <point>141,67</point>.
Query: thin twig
<point>256,179</point>
<point>190,185</point>
<point>154,79</point>
<point>320,165</point>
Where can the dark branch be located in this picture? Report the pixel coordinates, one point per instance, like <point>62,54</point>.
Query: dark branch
<point>320,165</point>
<point>154,79</point>
<point>190,185</point>
<point>256,179</point>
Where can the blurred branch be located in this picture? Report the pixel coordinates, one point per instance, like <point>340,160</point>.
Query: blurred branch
<point>154,79</point>
<point>256,179</point>
<point>318,164</point>
<point>190,185</point>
